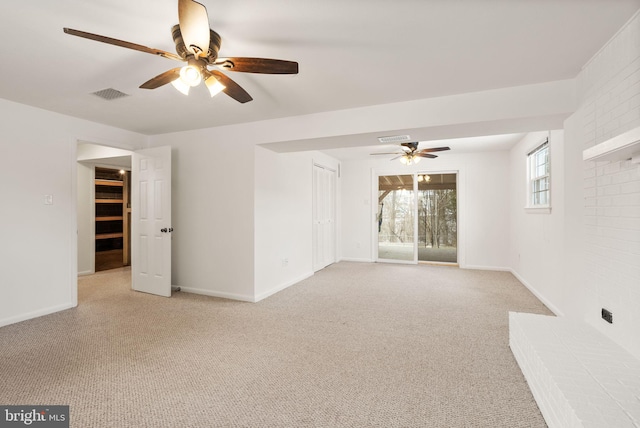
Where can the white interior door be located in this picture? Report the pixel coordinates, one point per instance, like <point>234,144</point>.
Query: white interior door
<point>324,252</point>
<point>151,221</point>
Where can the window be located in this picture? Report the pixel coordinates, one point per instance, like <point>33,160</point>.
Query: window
<point>539,180</point>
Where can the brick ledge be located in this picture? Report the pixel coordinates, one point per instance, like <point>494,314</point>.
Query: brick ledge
<point>578,376</point>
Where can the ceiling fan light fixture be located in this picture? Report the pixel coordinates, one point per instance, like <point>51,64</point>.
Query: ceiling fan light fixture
<point>409,159</point>
<point>214,85</point>
<point>181,86</point>
<point>190,75</point>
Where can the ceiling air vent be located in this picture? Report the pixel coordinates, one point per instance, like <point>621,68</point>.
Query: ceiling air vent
<point>110,94</point>
<point>394,139</point>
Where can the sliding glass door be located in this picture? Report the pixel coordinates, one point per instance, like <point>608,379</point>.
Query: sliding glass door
<point>396,218</point>
<point>417,218</point>
<point>437,218</point>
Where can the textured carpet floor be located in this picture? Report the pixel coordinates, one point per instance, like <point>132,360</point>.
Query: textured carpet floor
<point>356,345</point>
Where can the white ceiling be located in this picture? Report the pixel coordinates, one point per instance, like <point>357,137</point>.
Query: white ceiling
<point>352,53</point>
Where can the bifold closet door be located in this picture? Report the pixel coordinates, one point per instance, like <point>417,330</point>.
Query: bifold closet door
<point>324,231</point>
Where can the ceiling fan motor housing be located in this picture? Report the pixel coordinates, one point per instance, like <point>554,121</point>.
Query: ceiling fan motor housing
<point>413,146</point>
<point>214,45</point>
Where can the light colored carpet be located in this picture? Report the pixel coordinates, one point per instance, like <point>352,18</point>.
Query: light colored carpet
<point>356,345</point>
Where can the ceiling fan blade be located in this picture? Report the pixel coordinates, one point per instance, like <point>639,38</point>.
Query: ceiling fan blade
<point>162,79</point>
<point>397,157</point>
<point>425,155</point>
<point>232,89</point>
<point>258,65</point>
<point>122,43</point>
<point>390,153</point>
<point>194,26</point>
<point>435,149</point>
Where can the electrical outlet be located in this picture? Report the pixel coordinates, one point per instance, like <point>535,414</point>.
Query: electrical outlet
<point>607,316</point>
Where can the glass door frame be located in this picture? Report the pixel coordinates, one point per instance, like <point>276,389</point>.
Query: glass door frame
<point>375,191</point>
<point>414,189</point>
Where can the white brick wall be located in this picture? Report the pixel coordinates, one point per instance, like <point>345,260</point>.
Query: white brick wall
<point>609,87</point>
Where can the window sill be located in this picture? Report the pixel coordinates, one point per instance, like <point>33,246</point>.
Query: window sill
<point>537,210</point>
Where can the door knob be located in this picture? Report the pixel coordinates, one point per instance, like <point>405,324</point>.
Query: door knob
<point>163,230</point>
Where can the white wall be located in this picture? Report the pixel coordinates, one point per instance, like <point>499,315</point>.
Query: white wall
<point>212,213</point>
<point>537,239</point>
<point>38,250</point>
<point>283,214</point>
<point>483,207</point>
<point>609,89</point>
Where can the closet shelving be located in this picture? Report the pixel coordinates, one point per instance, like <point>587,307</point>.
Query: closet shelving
<point>112,213</point>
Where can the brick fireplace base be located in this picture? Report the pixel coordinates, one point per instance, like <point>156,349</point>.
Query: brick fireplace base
<point>578,376</point>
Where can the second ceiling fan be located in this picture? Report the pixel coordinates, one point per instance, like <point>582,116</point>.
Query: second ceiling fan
<point>410,153</point>
<point>198,46</point>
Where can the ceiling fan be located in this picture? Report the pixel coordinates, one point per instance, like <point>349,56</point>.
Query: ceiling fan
<point>410,153</point>
<point>198,46</point>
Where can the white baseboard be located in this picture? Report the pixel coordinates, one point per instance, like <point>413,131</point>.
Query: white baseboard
<point>244,297</point>
<point>221,294</point>
<point>495,268</point>
<point>535,292</point>
<point>35,314</point>
<point>86,272</point>
<point>350,259</point>
<point>281,287</point>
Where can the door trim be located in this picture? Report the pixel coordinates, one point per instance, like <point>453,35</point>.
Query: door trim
<point>73,269</point>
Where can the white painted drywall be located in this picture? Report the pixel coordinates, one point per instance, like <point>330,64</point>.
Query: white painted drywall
<point>39,247</point>
<point>212,214</point>
<point>91,151</point>
<point>283,214</point>
<point>537,239</point>
<point>496,111</point>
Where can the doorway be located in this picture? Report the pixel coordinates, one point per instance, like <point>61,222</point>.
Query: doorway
<point>150,207</point>
<point>100,217</point>
<point>417,218</point>
<point>112,218</point>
